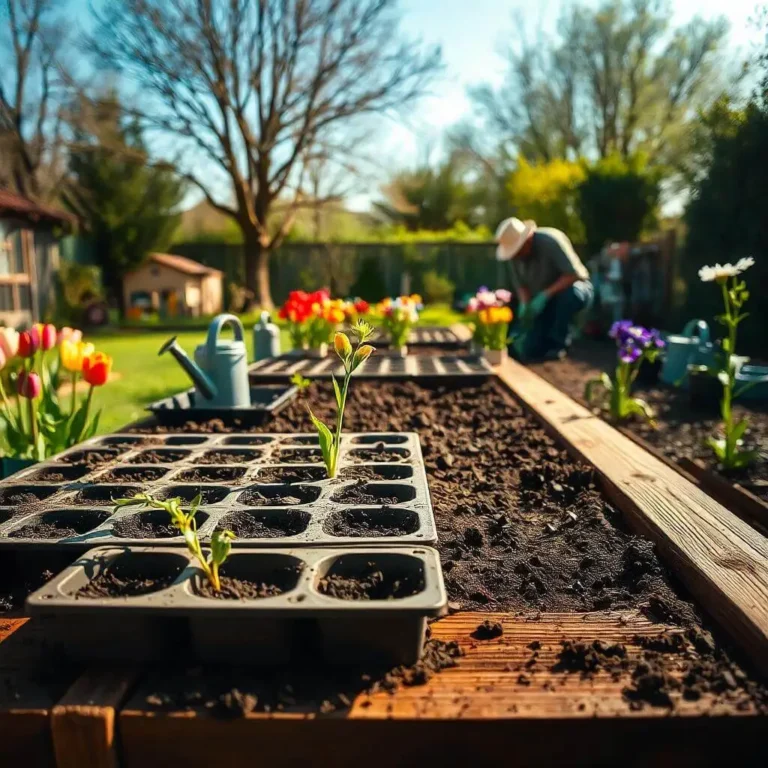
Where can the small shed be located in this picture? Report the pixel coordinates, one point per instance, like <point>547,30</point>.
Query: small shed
<point>29,257</point>
<point>174,285</point>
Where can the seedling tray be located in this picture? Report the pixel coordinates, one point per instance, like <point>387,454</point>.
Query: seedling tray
<point>388,624</point>
<point>424,336</point>
<point>268,488</point>
<point>187,406</point>
<point>464,368</point>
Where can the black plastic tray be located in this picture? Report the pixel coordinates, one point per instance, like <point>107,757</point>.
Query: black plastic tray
<point>262,631</point>
<point>187,406</point>
<point>83,500</point>
<point>467,369</point>
<point>424,336</point>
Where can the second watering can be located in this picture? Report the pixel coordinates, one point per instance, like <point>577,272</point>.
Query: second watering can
<point>220,368</point>
<point>691,347</point>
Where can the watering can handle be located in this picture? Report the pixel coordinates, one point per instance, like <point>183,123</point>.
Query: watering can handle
<point>698,328</point>
<point>214,329</point>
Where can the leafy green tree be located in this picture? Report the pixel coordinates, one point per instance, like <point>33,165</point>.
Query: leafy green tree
<point>726,217</point>
<point>129,206</point>
<point>548,193</point>
<point>616,79</point>
<point>426,198</point>
<point>618,199</point>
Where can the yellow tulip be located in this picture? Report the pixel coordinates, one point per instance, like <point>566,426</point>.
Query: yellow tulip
<point>73,353</point>
<point>342,345</point>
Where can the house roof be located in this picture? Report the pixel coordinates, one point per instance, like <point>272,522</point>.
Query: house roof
<point>22,207</point>
<point>183,264</point>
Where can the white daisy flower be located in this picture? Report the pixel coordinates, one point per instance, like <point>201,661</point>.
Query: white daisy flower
<point>723,271</point>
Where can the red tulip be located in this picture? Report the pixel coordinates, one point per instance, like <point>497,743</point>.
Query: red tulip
<point>96,368</point>
<point>29,342</point>
<point>29,385</point>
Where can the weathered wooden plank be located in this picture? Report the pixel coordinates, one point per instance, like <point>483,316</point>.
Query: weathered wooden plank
<point>83,722</point>
<point>721,559</point>
<point>27,695</point>
<point>462,331</point>
<point>738,499</point>
<point>478,711</point>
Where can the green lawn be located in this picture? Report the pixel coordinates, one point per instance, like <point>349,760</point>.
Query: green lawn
<point>143,377</point>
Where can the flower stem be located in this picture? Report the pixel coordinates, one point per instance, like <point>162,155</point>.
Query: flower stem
<point>74,394</point>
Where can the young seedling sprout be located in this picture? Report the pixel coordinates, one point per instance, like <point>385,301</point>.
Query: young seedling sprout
<point>221,541</point>
<point>351,358</point>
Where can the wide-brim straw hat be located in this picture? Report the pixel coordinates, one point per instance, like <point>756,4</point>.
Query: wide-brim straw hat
<point>511,235</point>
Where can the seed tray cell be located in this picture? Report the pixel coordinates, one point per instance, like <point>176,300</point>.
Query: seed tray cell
<point>462,368</point>
<point>276,496</point>
<point>342,606</point>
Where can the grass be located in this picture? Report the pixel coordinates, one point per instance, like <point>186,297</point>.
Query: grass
<point>143,377</point>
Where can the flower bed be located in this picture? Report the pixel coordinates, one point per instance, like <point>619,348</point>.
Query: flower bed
<point>681,431</point>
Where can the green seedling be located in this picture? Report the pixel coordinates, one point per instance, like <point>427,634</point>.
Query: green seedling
<point>351,358</point>
<point>221,541</point>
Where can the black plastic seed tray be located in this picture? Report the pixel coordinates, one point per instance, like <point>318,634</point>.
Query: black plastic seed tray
<point>270,489</point>
<point>341,606</point>
<point>424,336</point>
<point>187,406</point>
<point>467,369</point>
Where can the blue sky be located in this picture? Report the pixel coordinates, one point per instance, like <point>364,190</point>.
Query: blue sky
<point>473,34</point>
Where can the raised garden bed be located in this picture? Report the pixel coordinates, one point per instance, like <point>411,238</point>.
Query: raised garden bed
<point>590,646</point>
<point>426,336</point>
<point>334,606</point>
<point>271,490</point>
<point>681,429</point>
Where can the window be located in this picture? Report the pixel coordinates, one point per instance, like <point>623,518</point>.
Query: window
<point>6,298</point>
<point>15,281</point>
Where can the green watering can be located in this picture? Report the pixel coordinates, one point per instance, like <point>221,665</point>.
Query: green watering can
<point>691,347</point>
<point>220,368</point>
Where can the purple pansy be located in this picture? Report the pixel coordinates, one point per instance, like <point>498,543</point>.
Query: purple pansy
<point>630,352</point>
<point>620,329</point>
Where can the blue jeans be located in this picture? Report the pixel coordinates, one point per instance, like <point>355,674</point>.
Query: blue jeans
<point>551,330</point>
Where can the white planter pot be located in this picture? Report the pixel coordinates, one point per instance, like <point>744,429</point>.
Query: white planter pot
<point>495,356</point>
<point>317,352</point>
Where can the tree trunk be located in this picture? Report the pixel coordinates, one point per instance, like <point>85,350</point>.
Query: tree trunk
<point>257,273</point>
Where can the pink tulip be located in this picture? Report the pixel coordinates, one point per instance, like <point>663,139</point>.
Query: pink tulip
<point>29,385</point>
<point>29,342</point>
<point>3,359</point>
<point>48,337</point>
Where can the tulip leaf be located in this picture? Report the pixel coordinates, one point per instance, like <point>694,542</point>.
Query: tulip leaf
<point>336,391</point>
<point>326,440</point>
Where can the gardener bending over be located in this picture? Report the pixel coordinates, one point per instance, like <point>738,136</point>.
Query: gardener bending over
<point>552,286</point>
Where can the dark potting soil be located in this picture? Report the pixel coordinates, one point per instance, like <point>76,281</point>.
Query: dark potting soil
<point>380,452</point>
<point>239,589</point>
<point>293,689</point>
<point>124,475</point>
<point>362,493</point>
<point>488,630</point>
<point>390,472</point>
<point>254,497</point>
<point>145,525</point>
<point>112,583</point>
<point>90,458</point>
<point>369,522</point>
<point>522,527</point>
<point>291,475</point>
<point>227,457</point>
<point>211,475</point>
<point>681,430</point>
<point>59,525</point>
<point>159,457</point>
<point>300,456</point>
<point>51,476</point>
<point>253,525</point>
<point>371,584</point>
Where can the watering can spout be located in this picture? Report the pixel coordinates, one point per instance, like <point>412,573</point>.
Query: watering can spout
<point>198,376</point>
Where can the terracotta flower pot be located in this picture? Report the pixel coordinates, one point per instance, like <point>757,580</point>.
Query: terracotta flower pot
<point>495,356</point>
